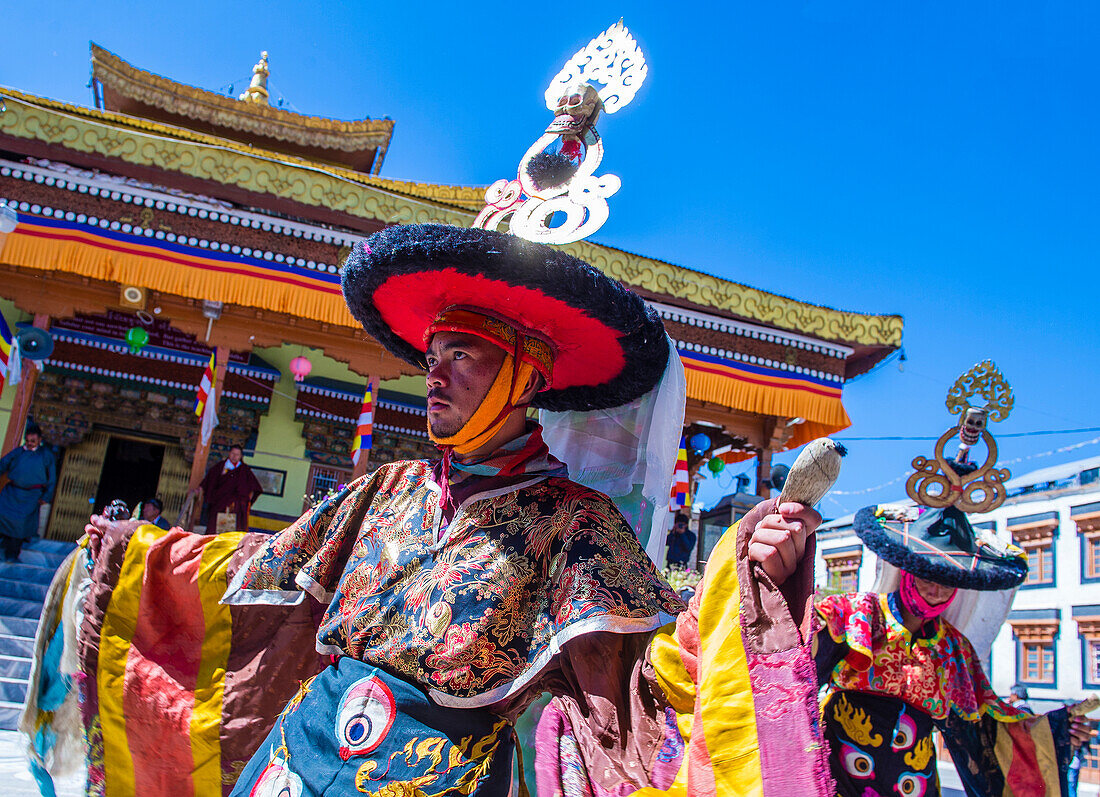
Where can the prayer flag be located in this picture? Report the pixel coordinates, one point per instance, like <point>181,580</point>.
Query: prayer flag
<point>5,349</point>
<point>681,486</point>
<point>206,387</point>
<point>364,429</point>
<point>209,421</point>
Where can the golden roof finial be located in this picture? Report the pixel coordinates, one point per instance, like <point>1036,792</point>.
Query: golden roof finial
<point>257,91</point>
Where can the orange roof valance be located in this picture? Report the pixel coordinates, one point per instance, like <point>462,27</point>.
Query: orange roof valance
<point>271,282</point>
<point>232,277</point>
<point>813,397</point>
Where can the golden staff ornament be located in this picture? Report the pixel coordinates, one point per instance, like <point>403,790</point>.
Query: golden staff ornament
<point>940,482</point>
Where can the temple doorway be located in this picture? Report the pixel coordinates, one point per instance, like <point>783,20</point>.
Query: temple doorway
<point>131,471</point>
<point>106,465</point>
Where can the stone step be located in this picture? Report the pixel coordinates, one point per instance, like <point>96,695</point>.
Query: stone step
<point>16,607</point>
<point>50,546</point>
<point>15,667</point>
<point>23,590</point>
<point>13,691</point>
<point>40,559</point>
<point>9,716</point>
<point>34,574</point>
<point>19,626</point>
<point>16,646</point>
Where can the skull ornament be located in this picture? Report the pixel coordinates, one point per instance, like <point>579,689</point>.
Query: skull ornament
<point>577,110</point>
<point>973,424</point>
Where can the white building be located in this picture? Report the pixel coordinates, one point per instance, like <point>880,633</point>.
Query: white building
<point>1051,640</point>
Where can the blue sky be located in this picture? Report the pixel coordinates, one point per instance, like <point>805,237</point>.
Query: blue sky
<point>915,158</point>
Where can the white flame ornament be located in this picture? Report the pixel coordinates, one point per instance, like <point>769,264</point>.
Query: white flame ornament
<point>557,175</point>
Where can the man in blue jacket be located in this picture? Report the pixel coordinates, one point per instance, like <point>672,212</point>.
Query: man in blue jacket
<point>32,476</point>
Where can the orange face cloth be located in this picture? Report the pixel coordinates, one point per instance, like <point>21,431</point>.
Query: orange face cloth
<point>534,356</point>
<point>498,404</point>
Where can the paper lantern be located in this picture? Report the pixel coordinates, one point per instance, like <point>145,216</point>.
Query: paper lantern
<point>716,465</point>
<point>137,337</point>
<point>9,219</point>
<point>300,367</point>
<point>700,443</point>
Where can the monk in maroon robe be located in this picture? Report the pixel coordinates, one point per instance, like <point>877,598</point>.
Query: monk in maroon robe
<point>230,486</point>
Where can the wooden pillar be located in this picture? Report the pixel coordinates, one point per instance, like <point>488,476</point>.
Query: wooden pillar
<point>17,422</point>
<point>360,468</point>
<point>202,450</point>
<point>763,472</point>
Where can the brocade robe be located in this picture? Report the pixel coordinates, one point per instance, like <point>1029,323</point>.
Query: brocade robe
<point>888,688</point>
<point>475,611</point>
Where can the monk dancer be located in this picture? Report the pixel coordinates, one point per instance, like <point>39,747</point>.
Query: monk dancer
<point>895,669</point>
<point>32,475</point>
<point>230,486</point>
<point>453,592</point>
<point>461,589</point>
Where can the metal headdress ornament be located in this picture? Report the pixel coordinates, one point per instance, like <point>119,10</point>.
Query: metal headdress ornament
<point>557,174</point>
<point>940,482</point>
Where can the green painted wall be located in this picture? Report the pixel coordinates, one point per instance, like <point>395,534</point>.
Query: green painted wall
<point>279,443</point>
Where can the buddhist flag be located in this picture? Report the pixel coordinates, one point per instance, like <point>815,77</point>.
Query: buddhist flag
<point>206,386</point>
<point>364,429</point>
<point>681,486</point>
<point>5,349</point>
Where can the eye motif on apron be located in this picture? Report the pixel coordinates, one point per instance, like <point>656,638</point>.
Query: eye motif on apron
<point>367,711</point>
<point>277,781</point>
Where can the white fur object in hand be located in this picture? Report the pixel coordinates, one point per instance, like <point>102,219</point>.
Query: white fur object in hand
<point>813,473</point>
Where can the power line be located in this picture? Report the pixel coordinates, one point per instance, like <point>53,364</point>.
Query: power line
<point>1007,434</point>
<point>904,476</point>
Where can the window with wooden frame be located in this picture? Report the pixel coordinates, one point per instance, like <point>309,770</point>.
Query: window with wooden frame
<point>1088,627</point>
<point>1040,564</point>
<point>1092,661</point>
<point>1088,529</point>
<point>1038,666</point>
<point>324,479</point>
<point>842,569</point>
<point>1035,658</point>
<point>1037,539</point>
<point>1091,758</point>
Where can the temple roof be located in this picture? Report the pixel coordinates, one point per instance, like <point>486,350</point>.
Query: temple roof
<point>359,145</point>
<point>166,154</point>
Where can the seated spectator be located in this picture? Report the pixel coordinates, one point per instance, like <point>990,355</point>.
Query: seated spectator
<point>151,513</point>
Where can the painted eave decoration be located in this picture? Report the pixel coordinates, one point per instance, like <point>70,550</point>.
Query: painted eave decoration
<point>87,132</point>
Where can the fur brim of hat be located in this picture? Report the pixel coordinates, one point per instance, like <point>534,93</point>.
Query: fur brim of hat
<point>981,573</point>
<point>610,346</point>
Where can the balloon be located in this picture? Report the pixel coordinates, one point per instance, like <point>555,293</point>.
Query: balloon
<point>700,443</point>
<point>300,367</point>
<point>137,338</point>
<point>716,465</point>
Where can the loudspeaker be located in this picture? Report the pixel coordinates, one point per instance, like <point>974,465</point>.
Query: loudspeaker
<point>35,343</point>
<point>132,297</point>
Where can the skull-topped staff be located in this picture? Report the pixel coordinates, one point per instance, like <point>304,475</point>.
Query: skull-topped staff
<point>556,197</point>
<point>943,482</point>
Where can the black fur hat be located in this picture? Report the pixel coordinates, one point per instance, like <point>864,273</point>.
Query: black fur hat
<point>941,546</point>
<point>610,346</point>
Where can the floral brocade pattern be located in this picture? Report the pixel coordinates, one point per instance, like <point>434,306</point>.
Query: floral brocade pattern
<point>938,674</point>
<point>511,578</point>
